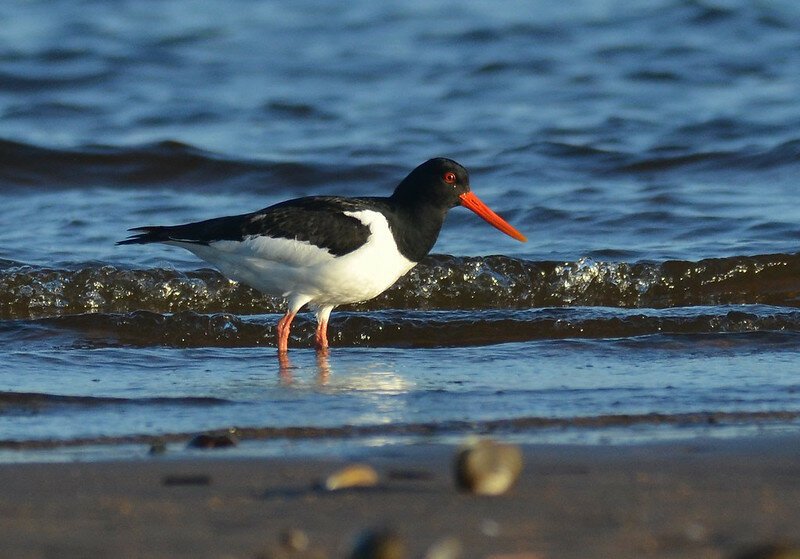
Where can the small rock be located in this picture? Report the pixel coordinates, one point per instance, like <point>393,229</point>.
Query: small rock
<point>354,475</point>
<point>381,543</point>
<point>208,440</point>
<point>488,468</point>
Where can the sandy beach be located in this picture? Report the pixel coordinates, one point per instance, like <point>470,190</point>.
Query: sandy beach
<point>702,498</point>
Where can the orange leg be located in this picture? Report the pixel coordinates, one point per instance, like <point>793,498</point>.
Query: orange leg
<point>284,325</point>
<point>321,337</point>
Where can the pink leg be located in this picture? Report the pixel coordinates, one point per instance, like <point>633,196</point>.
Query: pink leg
<point>321,337</point>
<point>284,325</point>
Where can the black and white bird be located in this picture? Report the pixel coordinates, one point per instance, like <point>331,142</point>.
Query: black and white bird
<point>326,251</point>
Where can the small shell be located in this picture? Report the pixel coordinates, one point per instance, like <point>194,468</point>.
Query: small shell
<point>488,468</point>
<point>354,475</point>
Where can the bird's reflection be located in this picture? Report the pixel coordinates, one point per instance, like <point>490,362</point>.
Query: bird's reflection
<point>285,368</point>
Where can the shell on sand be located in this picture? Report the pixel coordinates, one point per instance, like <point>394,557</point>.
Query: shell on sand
<point>353,475</point>
<point>487,467</point>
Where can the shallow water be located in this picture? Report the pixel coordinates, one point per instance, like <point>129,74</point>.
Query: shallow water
<point>656,180</point>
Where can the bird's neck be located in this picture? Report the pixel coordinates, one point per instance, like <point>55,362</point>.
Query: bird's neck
<point>416,228</point>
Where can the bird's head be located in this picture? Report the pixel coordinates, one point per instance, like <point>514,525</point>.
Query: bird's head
<point>444,184</point>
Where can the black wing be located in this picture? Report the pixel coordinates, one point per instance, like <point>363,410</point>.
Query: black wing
<point>318,220</point>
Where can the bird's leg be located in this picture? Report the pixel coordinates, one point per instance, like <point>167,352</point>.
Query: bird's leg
<point>284,325</point>
<point>321,337</point>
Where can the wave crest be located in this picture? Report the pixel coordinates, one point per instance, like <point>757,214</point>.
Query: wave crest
<point>440,282</point>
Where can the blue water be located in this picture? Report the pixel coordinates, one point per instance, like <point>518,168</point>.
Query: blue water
<point>649,151</point>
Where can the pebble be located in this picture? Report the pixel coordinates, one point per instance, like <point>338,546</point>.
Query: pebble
<point>381,543</point>
<point>353,475</point>
<point>487,467</point>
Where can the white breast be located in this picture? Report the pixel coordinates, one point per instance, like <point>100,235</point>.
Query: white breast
<point>369,270</point>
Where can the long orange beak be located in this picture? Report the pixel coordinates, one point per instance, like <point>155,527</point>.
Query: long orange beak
<point>469,200</point>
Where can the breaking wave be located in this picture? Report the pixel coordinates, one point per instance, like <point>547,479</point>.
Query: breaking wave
<point>438,283</point>
<point>445,301</point>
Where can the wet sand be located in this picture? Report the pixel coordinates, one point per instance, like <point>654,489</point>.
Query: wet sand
<point>703,498</point>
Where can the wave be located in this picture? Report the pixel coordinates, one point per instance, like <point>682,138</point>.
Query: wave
<point>440,428</point>
<point>34,402</point>
<point>178,165</point>
<point>440,282</point>
<point>31,292</point>
<point>786,153</point>
<point>167,164</point>
<point>405,329</point>
<point>676,154</point>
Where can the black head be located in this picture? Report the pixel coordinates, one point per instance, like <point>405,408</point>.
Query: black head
<point>438,185</point>
<point>438,182</point>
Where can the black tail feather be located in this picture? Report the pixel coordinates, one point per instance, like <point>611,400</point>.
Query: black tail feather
<point>145,235</point>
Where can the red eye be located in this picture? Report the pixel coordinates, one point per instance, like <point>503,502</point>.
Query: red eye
<point>449,177</point>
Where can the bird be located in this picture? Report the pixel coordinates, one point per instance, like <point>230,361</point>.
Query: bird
<point>326,251</point>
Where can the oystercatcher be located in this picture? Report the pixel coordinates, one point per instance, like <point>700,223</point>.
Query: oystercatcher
<point>326,251</point>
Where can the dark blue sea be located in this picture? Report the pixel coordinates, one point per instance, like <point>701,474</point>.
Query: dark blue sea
<point>649,150</point>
